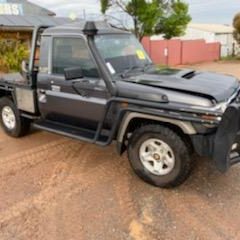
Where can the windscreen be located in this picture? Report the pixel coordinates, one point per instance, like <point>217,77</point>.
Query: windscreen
<point>122,52</point>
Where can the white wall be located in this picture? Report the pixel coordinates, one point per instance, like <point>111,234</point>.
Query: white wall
<point>192,34</point>
<point>227,42</point>
<point>226,39</point>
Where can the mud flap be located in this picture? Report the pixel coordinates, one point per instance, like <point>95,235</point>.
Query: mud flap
<point>227,135</point>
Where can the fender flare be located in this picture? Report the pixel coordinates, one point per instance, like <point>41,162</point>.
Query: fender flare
<point>186,127</point>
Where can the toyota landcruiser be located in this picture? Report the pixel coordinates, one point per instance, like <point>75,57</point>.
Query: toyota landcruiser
<point>95,83</point>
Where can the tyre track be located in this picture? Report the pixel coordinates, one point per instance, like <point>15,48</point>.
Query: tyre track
<point>36,150</point>
<point>9,146</point>
<point>227,227</point>
<point>126,203</point>
<point>137,219</point>
<point>24,210</point>
<point>30,158</point>
<point>187,221</point>
<point>71,185</point>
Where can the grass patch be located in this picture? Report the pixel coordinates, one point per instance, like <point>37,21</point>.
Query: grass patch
<point>231,58</point>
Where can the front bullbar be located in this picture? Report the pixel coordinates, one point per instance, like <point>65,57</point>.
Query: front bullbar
<point>226,150</point>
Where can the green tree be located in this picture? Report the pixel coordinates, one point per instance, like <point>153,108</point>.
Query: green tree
<point>236,25</point>
<point>167,17</point>
<point>12,53</point>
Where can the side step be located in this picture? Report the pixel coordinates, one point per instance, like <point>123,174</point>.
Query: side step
<point>81,134</point>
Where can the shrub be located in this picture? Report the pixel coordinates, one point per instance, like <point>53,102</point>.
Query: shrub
<point>12,53</point>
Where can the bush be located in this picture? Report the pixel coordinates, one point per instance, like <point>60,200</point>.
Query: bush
<point>12,53</point>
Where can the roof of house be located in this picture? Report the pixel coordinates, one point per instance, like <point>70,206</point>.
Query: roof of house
<point>214,28</point>
<point>30,8</point>
<point>29,22</point>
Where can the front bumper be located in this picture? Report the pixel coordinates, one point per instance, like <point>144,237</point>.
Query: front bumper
<point>226,147</point>
<point>223,145</point>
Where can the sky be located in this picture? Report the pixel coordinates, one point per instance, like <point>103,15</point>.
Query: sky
<point>202,11</point>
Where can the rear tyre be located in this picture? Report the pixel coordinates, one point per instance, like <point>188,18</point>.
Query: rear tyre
<point>159,156</point>
<point>11,121</point>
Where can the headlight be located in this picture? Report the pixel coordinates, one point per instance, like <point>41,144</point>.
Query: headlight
<point>221,107</point>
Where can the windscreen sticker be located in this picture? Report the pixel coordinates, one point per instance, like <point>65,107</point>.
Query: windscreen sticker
<point>110,68</point>
<point>140,54</point>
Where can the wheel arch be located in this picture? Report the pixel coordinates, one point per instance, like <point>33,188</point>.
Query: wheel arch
<point>133,120</point>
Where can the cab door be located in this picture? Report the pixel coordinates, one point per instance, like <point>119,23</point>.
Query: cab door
<point>79,102</point>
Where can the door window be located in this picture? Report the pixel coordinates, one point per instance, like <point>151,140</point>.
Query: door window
<point>72,52</point>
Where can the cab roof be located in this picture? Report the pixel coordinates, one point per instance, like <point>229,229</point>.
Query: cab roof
<point>78,28</point>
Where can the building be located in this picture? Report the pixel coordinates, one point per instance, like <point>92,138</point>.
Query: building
<point>22,7</point>
<point>211,33</point>
<point>19,17</point>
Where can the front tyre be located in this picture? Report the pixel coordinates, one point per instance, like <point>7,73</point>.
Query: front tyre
<point>11,121</point>
<point>159,156</point>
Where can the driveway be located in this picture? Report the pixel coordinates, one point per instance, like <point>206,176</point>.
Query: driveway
<point>226,67</point>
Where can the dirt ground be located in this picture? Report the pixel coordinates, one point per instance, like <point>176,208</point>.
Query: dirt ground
<point>54,188</point>
<point>226,67</point>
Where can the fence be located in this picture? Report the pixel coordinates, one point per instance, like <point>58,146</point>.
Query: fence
<point>180,52</point>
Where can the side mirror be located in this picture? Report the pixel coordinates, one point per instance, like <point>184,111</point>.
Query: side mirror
<point>73,73</point>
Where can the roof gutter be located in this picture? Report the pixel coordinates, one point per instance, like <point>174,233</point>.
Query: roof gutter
<point>16,28</point>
